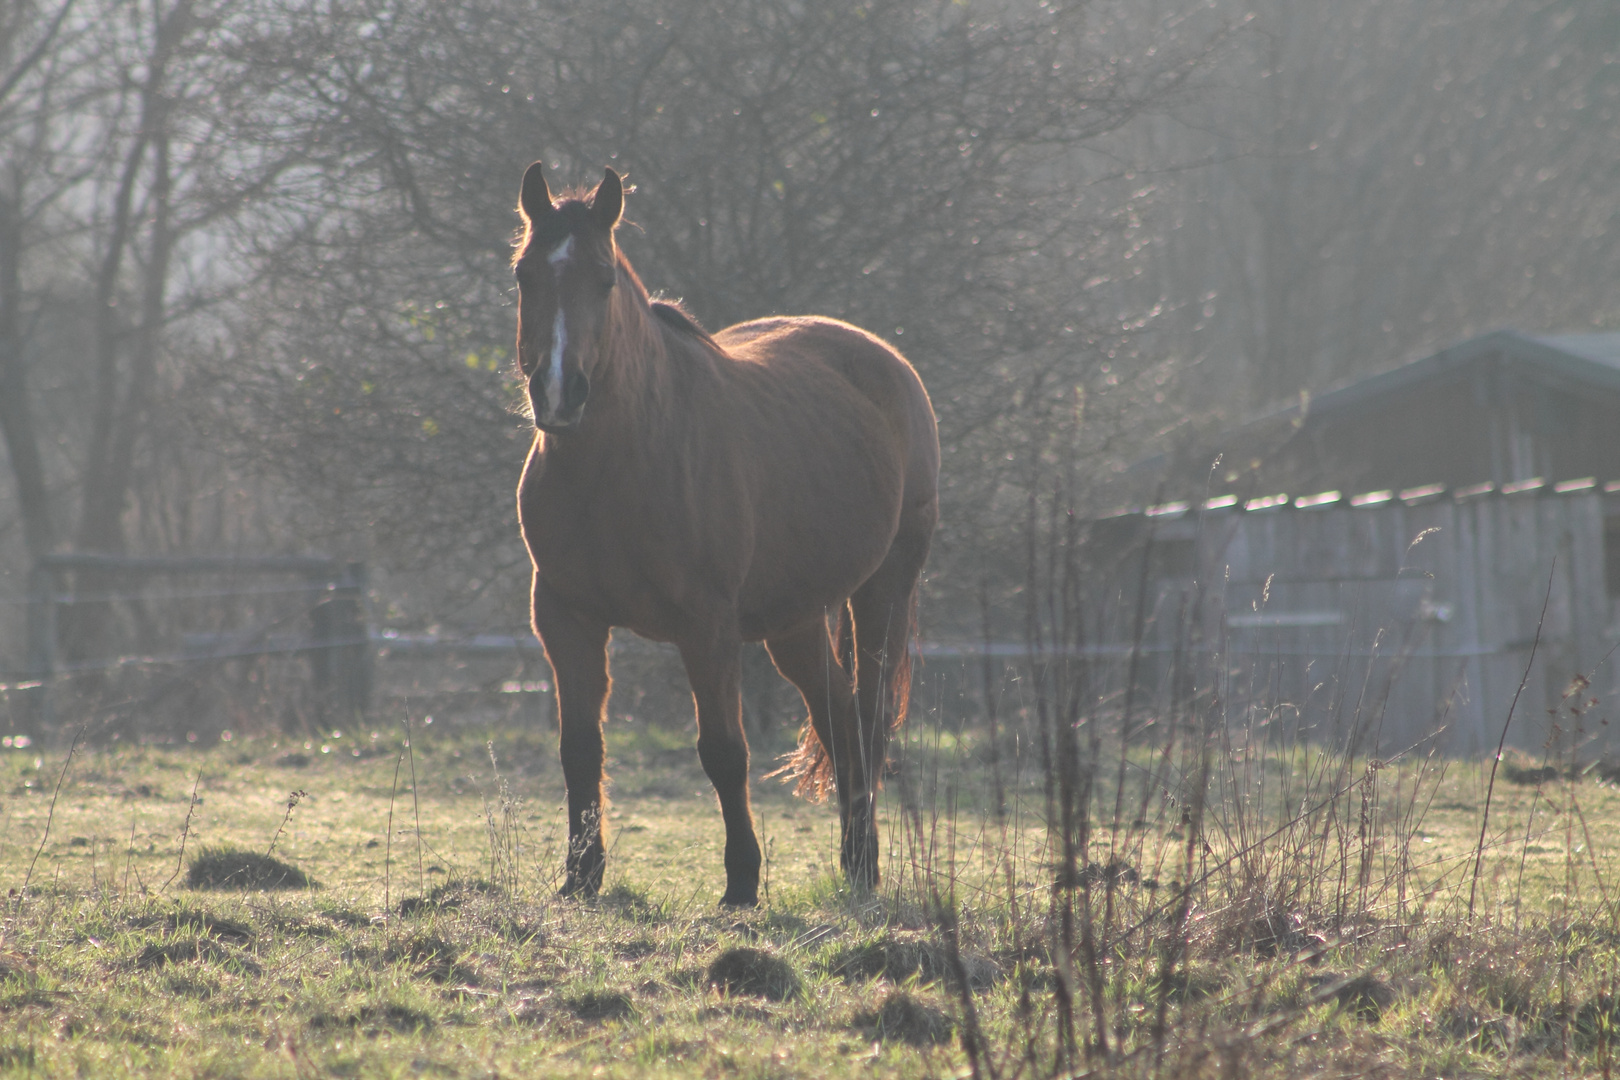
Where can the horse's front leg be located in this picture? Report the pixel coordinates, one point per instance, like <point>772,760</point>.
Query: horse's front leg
<point>713,659</point>
<point>577,649</point>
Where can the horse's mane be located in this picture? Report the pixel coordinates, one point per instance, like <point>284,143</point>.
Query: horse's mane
<point>673,314</point>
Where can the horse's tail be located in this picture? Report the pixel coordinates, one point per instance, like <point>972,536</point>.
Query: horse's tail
<point>811,764</point>
<point>900,681</point>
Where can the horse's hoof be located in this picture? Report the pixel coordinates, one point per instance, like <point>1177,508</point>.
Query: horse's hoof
<point>573,888</point>
<point>862,875</point>
<point>729,901</point>
<point>861,871</point>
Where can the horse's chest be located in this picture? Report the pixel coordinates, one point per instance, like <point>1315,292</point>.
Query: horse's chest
<point>603,556</point>
<point>569,541</point>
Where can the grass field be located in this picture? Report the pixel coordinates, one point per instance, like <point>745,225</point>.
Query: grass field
<point>1309,919</point>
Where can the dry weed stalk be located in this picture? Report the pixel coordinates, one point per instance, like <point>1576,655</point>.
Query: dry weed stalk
<point>185,832</point>
<point>293,799</point>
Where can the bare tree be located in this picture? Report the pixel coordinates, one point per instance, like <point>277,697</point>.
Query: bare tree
<point>919,169</point>
<point>1377,181</point>
<point>124,172</point>
<point>34,51</point>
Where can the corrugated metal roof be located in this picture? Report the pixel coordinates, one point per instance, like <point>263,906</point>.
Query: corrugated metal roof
<point>1599,348</point>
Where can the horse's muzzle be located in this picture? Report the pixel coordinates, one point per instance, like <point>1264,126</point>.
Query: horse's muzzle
<point>576,391</point>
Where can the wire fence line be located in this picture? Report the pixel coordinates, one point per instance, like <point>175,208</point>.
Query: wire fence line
<point>330,594</point>
<point>14,600</point>
<point>341,645</point>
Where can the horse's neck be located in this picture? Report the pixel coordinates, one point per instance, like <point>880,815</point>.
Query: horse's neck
<point>637,370</point>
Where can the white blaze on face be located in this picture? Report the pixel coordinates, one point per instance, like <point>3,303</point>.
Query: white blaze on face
<point>559,331</point>
<point>554,374</point>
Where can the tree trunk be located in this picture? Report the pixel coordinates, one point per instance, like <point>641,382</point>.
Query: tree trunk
<point>16,417</point>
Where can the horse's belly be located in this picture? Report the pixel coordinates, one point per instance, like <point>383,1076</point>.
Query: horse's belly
<point>783,590</point>
<point>776,554</point>
<point>812,569</point>
<point>616,598</point>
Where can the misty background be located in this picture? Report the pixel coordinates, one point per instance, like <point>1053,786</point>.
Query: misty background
<point>254,284</point>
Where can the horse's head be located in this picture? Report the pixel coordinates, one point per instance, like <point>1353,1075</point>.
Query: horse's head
<point>566,269</point>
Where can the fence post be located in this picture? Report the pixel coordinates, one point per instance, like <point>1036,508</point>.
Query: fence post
<point>41,711</point>
<point>340,658</point>
<point>355,656</point>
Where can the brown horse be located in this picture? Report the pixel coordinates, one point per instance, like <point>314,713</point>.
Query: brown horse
<point>707,491</point>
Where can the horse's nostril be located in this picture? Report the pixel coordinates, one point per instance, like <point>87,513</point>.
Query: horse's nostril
<point>575,391</point>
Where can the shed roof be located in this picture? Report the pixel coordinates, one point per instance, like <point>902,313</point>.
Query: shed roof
<point>1599,348</point>
<point>1583,358</point>
<point>1574,363</point>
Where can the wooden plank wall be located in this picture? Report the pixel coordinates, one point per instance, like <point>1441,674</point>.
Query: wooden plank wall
<point>1380,623</point>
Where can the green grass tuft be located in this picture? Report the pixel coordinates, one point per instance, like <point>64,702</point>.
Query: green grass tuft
<point>750,972</point>
<point>901,956</point>
<point>235,868</point>
<point>601,1005</point>
<point>903,1018</point>
<point>449,896</point>
<point>375,1018</point>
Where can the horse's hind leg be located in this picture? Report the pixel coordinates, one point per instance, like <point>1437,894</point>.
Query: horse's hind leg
<point>577,649</point>
<point>805,657</point>
<point>713,659</point>
<point>884,607</point>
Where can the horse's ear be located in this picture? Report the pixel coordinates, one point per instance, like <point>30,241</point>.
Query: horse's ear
<point>607,201</point>
<point>534,198</point>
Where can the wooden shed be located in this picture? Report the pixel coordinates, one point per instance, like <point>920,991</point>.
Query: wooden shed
<point>1392,616</point>
<point>1384,555</point>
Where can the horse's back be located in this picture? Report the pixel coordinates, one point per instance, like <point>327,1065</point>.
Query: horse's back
<point>870,366</point>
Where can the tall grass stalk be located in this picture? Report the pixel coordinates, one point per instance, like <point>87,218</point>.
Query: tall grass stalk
<point>388,838</point>
<point>1496,761</point>
<point>50,815</point>
<point>416,806</point>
